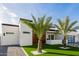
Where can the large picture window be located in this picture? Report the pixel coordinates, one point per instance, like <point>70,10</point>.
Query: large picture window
<point>50,37</point>
<point>71,38</point>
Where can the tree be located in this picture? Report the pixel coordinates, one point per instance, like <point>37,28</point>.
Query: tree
<point>39,27</point>
<point>65,26</point>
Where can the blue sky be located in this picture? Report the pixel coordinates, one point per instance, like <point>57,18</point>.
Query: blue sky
<point>57,11</point>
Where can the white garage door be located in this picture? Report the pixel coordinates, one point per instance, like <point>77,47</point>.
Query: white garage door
<point>10,34</point>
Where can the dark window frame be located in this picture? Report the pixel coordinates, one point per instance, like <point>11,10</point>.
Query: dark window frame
<point>9,32</point>
<point>25,32</point>
<point>50,37</point>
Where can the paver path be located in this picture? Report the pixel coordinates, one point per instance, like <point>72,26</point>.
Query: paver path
<point>11,51</point>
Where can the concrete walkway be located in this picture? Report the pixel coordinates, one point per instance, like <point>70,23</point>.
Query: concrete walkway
<point>11,51</point>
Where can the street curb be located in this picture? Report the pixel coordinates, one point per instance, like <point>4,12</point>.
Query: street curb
<point>24,51</point>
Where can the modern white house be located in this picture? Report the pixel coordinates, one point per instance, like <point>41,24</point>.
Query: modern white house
<point>11,34</point>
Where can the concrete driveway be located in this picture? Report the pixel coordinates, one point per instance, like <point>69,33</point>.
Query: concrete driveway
<point>11,51</point>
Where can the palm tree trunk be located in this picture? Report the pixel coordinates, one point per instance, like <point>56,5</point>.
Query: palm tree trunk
<point>39,49</point>
<point>64,41</point>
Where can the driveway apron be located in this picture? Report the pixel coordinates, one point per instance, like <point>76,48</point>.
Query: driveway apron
<point>11,51</point>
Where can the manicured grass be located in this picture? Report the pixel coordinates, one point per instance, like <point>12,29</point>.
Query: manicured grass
<point>53,50</point>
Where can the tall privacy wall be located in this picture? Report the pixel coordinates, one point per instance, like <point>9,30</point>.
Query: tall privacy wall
<point>25,35</point>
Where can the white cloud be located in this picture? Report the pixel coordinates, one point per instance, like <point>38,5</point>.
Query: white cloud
<point>4,7</point>
<point>7,16</point>
<point>13,14</point>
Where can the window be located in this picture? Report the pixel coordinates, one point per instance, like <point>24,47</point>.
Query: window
<point>9,32</point>
<point>71,38</point>
<point>26,32</point>
<point>50,37</point>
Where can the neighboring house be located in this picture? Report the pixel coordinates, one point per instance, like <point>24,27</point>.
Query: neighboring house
<point>53,38</point>
<point>22,35</point>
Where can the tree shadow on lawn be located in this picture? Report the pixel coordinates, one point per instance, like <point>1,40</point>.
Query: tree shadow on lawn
<point>57,47</point>
<point>31,46</point>
<point>60,54</point>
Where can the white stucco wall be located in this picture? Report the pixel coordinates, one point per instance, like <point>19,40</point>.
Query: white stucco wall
<point>77,38</point>
<point>25,38</point>
<point>59,37</point>
<point>0,29</point>
<point>0,32</point>
<point>52,42</point>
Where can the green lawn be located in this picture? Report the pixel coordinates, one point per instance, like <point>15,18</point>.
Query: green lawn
<point>53,50</point>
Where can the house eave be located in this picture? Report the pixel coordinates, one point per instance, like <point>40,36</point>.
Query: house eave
<point>10,25</point>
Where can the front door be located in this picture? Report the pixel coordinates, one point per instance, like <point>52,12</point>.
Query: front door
<point>10,35</point>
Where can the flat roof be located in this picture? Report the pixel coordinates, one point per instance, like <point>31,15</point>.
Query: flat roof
<point>26,19</point>
<point>10,25</point>
<point>73,33</point>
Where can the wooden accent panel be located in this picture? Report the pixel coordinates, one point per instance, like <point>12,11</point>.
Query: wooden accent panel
<point>35,39</point>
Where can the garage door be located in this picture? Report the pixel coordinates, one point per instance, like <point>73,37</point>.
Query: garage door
<point>10,34</point>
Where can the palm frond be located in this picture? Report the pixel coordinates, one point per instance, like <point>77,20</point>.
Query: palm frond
<point>48,23</point>
<point>65,26</point>
<point>39,27</point>
<point>72,24</point>
<point>61,24</point>
<point>34,19</point>
<point>30,24</point>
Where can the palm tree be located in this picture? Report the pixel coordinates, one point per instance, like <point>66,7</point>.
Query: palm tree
<point>65,26</point>
<point>39,27</point>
